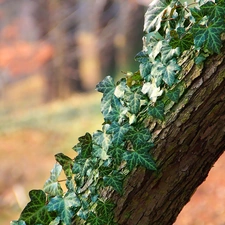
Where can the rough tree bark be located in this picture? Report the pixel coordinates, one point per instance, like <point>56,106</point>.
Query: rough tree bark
<point>187,145</point>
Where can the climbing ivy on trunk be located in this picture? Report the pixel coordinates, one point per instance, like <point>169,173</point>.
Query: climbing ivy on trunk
<point>175,33</point>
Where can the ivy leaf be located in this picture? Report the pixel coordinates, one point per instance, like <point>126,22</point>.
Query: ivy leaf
<point>117,153</point>
<point>102,139</point>
<point>93,219</point>
<point>117,112</point>
<point>63,206</point>
<point>145,70</point>
<point>169,72</point>
<point>66,163</point>
<point>86,146</point>
<point>184,43</point>
<point>115,180</point>
<point>157,111</point>
<point>213,10</point>
<point>174,94</point>
<point>35,211</point>
<point>142,57</point>
<point>134,100</point>
<point>105,208</point>
<point>155,13</point>
<point>82,170</point>
<point>56,221</point>
<point>138,135</point>
<point>107,86</point>
<point>209,36</point>
<point>18,222</point>
<point>167,52</point>
<point>136,158</point>
<point>118,132</point>
<point>52,186</point>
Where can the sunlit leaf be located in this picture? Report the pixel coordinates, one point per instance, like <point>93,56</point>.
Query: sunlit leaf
<point>169,72</point>
<point>64,206</point>
<point>52,185</point>
<point>35,211</point>
<point>155,13</point>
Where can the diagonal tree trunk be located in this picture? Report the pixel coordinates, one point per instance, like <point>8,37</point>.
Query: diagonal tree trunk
<point>187,146</point>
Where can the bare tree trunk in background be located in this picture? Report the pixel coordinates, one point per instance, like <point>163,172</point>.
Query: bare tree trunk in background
<point>133,33</point>
<point>58,25</point>
<point>106,14</point>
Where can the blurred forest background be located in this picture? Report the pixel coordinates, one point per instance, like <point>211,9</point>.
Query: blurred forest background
<point>52,55</point>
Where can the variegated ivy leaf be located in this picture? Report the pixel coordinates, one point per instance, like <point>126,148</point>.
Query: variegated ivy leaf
<point>134,101</point>
<point>36,211</point>
<point>169,72</point>
<point>152,90</point>
<point>56,221</point>
<point>107,86</point>
<point>64,206</point>
<point>155,14</point>
<point>52,186</point>
<point>102,139</point>
<point>117,111</point>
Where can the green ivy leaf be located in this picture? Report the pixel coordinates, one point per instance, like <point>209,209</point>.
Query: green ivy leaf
<point>107,86</point>
<point>64,206</point>
<point>86,146</point>
<point>93,219</point>
<point>52,186</point>
<point>184,43</point>
<point>35,211</point>
<point>213,10</point>
<point>105,208</point>
<point>118,132</point>
<point>169,72</point>
<point>157,111</point>
<point>209,36</point>
<point>115,180</point>
<point>116,153</point>
<point>174,94</point>
<point>138,135</point>
<point>66,163</point>
<point>168,53</point>
<point>155,13</point>
<point>136,158</point>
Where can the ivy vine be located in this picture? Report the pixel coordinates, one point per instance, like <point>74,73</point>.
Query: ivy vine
<point>105,158</point>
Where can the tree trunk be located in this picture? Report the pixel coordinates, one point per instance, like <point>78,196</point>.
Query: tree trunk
<point>188,143</point>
